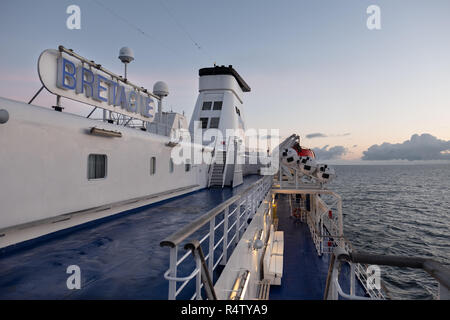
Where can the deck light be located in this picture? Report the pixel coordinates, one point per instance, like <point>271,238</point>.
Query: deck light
<point>240,286</point>
<point>105,133</point>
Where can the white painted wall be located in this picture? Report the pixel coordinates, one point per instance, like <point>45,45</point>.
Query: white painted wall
<point>219,88</point>
<point>44,158</point>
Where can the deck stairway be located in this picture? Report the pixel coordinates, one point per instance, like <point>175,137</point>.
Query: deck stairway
<point>217,167</point>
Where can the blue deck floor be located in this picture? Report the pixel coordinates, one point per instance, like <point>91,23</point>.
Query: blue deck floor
<point>304,272</point>
<point>119,258</point>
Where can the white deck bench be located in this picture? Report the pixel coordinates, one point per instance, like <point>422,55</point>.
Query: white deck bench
<point>273,257</point>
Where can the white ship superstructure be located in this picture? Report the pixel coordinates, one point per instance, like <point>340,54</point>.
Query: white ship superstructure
<point>59,169</point>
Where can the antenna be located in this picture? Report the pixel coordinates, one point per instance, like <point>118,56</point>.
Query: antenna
<point>160,89</point>
<point>126,55</point>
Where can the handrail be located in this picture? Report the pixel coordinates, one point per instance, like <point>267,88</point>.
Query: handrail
<point>345,295</point>
<point>211,166</point>
<point>177,237</point>
<point>225,169</point>
<point>250,198</point>
<point>436,269</point>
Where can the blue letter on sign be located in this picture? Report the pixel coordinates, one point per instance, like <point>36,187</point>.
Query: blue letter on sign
<point>146,106</point>
<point>66,71</point>
<point>98,88</point>
<point>85,81</point>
<point>132,101</point>
<point>121,98</point>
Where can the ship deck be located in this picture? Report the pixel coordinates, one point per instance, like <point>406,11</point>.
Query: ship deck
<point>119,258</point>
<point>304,272</point>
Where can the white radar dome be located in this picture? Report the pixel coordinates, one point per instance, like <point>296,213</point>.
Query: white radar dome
<point>126,55</point>
<point>161,89</point>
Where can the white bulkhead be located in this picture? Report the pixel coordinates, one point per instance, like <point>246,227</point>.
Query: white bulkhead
<point>58,169</point>
<point>220,100</point>
<point>46,158</point>
<point>218,121</point>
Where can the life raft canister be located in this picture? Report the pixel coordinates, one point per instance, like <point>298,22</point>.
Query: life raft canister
<point>303,152</point>
<point>306,153</point>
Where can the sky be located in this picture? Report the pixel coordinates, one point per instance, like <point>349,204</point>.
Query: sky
<point>314,67</point>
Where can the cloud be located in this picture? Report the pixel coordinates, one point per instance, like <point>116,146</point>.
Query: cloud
<point>323,135</point>
<point>326,153</point>
<point>315,135</point>
<point>268,137</point>
<point>419,147</point>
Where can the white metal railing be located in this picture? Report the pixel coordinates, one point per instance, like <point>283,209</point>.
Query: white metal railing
<point>329,225</point>
<point>358,260</point>
<point>237,210</point>
<point>326,225</point>
<point>229,152</point>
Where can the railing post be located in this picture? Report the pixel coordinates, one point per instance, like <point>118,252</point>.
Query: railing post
<point>333,288</point>
<point>198,279</point>
<point>250,208</point>
<point>352,279</point>
<point>225,235</point>
<point>238,222</point>
<point>255,200</point>
<point>211,247</point>
<point>341,227</point>
<point>173,272</point>
<point>252,202</point>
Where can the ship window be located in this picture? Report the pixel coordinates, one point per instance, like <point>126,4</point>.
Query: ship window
<point>217,105</point>
<point>152,165</point>
<point>96,166</point>
<point>171,165</point>
<point>187,167</point>
<point>214,123</point>
<point>207,105</point>
<point>204,122</point>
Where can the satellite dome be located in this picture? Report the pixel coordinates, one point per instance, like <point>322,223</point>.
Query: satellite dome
<point>4,116</point>
<point>161,89</point>
<point>126,55</point>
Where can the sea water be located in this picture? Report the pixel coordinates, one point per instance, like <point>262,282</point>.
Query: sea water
<point>398,210</point>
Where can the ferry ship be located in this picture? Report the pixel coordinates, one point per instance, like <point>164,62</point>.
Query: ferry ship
<point>141,205</point>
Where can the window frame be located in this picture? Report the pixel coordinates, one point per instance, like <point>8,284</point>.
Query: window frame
<point>152,166</point>
<point>210,105</point>
<point>211,121</point>
<point>105,156</point>
<point>204,126</point>
<point>214,108</point>
<point>171,165</point>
